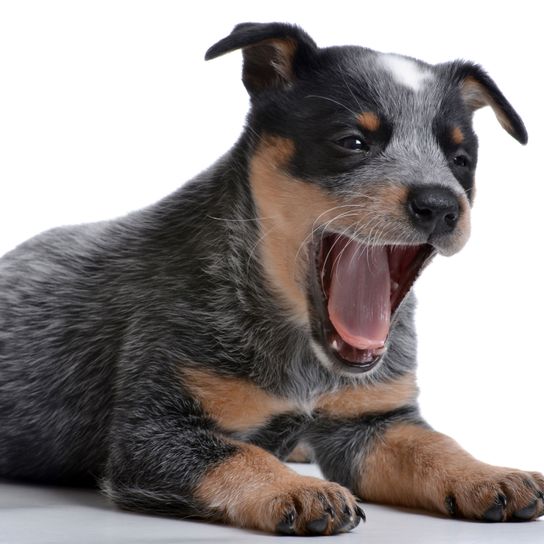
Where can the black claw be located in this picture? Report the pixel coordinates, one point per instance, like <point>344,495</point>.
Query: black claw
<point>526,513</point>
<point>347,518</point>
<point>451,505</point>
<point>317,526</point>
<point>355,522</point>
<point>285,526</point>
<point>349,524</point>
<point>496,512</point>
<point>343,522</point>
<point>360,512</point>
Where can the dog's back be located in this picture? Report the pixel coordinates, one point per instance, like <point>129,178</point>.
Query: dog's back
<point>75,301</point>
<point>57,354</point>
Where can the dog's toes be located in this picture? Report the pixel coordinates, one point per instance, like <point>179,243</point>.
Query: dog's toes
<point>526,513</point>
<point>501,495</point>
<point>350,517</point>
<point>318,526</point>
<point>287,525</point>
<point>498,511</point>
<point>315,507</point>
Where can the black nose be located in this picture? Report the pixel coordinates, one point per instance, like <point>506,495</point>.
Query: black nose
<point>434,210</point>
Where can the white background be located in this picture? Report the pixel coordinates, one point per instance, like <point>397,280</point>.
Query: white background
<point>107,106</point>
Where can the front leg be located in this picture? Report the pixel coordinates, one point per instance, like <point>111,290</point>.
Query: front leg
<point>209,477</point>
<point>412,465</point>
<point>168,457</point>
<point>254,489</point>
<point>373,440</point>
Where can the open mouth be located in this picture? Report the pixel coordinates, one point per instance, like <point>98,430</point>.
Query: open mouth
<point>358,289</point>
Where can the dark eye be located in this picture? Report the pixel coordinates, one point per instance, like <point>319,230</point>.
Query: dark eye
<point>353,143</point>
<point>460,160</point>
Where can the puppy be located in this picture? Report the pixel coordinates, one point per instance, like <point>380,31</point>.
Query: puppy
<point>263,311</point>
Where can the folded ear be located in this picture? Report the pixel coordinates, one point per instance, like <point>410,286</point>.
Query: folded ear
<point>272,52</point>
<point>479,90</point>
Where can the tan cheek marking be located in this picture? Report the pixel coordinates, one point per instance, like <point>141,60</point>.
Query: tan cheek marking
<point>369,121</point>
<point>235,404</point>
<point>359,400</point>
<point>457,136</point>
<point>287,208</point>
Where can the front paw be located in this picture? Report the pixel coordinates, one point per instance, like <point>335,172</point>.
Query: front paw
<point>295,505</point>
<point>309,506</point>
<point>253,489</point>
<point>496,494</point>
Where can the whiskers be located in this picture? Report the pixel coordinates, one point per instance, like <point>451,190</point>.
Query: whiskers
<point>359,223</point>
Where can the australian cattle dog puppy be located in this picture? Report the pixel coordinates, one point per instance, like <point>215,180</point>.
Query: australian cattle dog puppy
<point>264,311</point>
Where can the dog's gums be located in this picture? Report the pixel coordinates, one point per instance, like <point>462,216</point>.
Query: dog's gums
<point>361,288</point>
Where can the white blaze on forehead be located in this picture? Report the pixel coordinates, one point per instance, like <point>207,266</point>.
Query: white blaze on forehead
<point>405,71</point>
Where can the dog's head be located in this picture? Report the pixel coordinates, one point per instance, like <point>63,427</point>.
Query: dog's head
<point>362,169</point>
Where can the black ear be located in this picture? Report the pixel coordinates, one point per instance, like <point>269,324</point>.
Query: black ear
<point>272,52</point>
<point>478,90</point>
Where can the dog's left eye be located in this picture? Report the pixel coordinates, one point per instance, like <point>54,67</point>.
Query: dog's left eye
<point>353,143</point>
<point>460,160</point>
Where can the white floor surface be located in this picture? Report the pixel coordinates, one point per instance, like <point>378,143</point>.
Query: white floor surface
<point>45,515</point>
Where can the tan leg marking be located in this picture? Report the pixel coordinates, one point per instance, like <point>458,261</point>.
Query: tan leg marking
<point>417,467</point>
<point>235,404</point>
<point>359,400</point>
<point>253,489</point>
<point>369,121</point>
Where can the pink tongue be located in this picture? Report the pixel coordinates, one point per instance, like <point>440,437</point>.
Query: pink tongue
<point>359,295</point>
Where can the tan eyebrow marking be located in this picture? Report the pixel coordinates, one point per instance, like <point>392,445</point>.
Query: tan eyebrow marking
<point>369,120</point>
<point>457,135</point>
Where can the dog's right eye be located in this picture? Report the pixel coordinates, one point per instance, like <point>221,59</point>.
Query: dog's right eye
<point>353,143</point>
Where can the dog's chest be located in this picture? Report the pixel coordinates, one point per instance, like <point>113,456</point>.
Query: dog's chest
<point>240,407</point>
